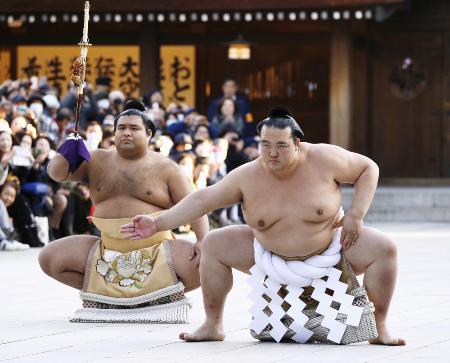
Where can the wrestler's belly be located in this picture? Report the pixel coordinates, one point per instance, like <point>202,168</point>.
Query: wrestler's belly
<point>302,240</point>
<point>123,206</point>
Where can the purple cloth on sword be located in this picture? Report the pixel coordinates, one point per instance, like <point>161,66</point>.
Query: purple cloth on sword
<point>74,151</point>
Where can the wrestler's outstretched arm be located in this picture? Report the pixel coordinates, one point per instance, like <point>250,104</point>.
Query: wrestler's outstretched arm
<point>224,193</point>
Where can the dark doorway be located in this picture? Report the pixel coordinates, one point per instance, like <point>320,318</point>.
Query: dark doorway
<point>295,75</point>
<point>407,104</point>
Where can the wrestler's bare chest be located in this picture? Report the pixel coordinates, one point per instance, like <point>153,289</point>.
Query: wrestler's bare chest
<point>309,196</point>
<point>292,217</point>
<point>138,179</point>
<point>265,206</point>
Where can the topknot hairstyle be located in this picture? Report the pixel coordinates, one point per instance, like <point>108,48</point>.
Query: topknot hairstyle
<point>281,117</point>
<point>280,111</point>
<point>134,104</point>
<point>136,108</point>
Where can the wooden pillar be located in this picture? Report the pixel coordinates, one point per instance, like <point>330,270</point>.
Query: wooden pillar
<point>445,170</point>
<point>149,58</point>
<point>360,130</point>
<point>340,86</point>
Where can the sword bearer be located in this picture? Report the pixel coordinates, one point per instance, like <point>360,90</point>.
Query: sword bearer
<point>74,149</point>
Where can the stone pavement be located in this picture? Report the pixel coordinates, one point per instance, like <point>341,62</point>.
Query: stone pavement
<point>34,312</point>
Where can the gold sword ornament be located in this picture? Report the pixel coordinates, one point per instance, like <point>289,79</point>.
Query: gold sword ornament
<point>79,66</point>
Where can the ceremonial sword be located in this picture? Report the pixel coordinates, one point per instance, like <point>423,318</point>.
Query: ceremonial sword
<point>79,66</point>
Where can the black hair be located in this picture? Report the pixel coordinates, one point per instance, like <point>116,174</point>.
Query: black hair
<point>200,125</point>
<point>222,101</point>
<point>197,128</point>
<point>228,128</point>
<point>45,136</point>
<point>136,108</point>
<point>280,117</point>
<point>19,136</point>
<point>106,134</point>
<point>146,97</point>
<point>93,123</point>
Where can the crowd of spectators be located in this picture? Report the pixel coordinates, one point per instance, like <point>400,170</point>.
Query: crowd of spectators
<point>35,120</point>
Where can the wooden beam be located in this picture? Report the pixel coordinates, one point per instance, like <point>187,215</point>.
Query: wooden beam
<point>63,6</point>
<point>445,170</point>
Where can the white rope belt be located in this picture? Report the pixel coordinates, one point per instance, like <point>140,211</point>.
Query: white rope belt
<point>298,273</point>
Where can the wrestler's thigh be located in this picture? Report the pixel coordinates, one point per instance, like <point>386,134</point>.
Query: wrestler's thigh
<point>232,245</point>
<point>370,245</point>
<point>66,254</point>
<point>184,267</point>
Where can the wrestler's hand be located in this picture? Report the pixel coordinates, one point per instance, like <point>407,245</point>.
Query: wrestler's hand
<point>351,229</point>
<point>142,226</point>
<point>195,253</point>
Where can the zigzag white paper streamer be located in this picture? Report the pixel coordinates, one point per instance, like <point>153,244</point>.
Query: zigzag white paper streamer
<point>269,275</point>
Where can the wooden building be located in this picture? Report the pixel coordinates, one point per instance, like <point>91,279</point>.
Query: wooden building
<point>369,75</point>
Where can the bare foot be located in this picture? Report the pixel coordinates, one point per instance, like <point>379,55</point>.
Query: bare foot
<point>206,332</point>
<point>384,338</point>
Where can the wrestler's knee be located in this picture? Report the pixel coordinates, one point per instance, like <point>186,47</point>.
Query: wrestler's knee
<point>210,242</point>
<point>382,245</point>
<point>389,247</point>
<point>193,282</point>
<point>184,267</point>
<point>51,259</point>
<point>45,258</point>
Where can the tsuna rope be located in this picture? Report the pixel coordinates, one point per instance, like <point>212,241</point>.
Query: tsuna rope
<point>298,273</point>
